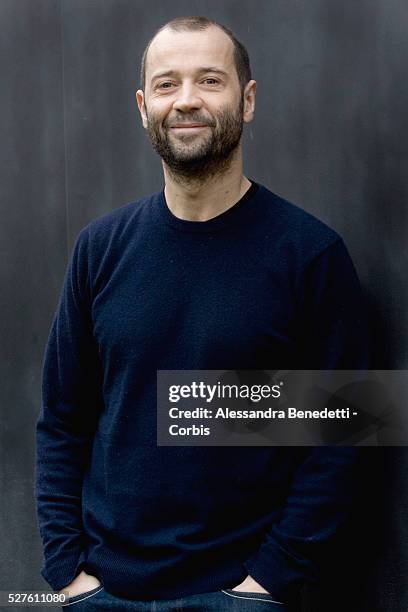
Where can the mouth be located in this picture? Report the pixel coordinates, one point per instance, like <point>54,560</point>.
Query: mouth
<point>188,127</point>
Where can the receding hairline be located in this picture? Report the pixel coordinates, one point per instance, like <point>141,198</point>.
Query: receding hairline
<point>178,30</point>
<point>199,24</point>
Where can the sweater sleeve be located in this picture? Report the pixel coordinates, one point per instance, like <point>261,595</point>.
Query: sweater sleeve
<point>323,485</point>
<point>71,400</point>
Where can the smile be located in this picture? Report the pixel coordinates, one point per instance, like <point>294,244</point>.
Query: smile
<point>188,127</point>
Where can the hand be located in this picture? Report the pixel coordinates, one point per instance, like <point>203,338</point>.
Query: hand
<point>80,584</point>
<point>250,586</point>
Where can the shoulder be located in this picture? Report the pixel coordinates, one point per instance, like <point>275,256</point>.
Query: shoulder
<point>121,216</point>
<point>292,226</point>
<point>108,228</point>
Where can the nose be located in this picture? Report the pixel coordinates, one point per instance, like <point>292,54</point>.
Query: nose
<point>187,99</point>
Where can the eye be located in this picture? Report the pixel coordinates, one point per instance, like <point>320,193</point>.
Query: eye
<point>165,85</point>
<point>211,81</point>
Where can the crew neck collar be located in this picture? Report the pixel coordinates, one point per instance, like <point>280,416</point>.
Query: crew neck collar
<point>229,216</point>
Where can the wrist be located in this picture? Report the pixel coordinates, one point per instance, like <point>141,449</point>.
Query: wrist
<point>81,583</point>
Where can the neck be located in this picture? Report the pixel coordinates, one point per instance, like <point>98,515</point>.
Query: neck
<point>204,198</point>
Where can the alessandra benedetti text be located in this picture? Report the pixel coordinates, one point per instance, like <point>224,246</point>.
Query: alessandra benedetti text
<point>269,413</point>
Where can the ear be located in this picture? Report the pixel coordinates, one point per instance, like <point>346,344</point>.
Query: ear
<point>141,107</point>
<point>249,100</point>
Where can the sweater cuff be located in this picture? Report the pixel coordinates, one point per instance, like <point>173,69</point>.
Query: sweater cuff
<point>62,574</point>
<point>279,572</point>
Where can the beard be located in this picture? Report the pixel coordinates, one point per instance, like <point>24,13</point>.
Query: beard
<point>198,157</point>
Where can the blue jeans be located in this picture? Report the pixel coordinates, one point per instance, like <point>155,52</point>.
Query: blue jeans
<point>225,600</point>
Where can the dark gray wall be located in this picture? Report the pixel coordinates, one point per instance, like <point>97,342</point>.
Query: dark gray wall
<point>329,134</point>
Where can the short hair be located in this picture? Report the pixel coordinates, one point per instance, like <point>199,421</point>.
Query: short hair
<point>197,23</point>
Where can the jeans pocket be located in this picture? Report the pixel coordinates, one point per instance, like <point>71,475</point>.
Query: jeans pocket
<point>82,596</point>
<point>250,595</point>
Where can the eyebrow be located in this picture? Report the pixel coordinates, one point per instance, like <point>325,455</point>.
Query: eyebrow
<point>200,70</point>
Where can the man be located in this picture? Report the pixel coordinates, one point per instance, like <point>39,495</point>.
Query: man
<point>213,272</point>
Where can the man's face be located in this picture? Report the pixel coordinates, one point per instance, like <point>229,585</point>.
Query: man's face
<point>192,107</point>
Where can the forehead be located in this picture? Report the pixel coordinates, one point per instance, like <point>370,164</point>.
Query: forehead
<point>190,50</point>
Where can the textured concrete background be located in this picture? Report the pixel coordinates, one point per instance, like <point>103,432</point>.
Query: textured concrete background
<point>330,134</point>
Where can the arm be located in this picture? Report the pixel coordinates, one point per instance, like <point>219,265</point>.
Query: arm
<point>334,336</point>
<point>71,400</point>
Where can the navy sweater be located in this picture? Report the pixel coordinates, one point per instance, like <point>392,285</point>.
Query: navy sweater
<point>264,285</point>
